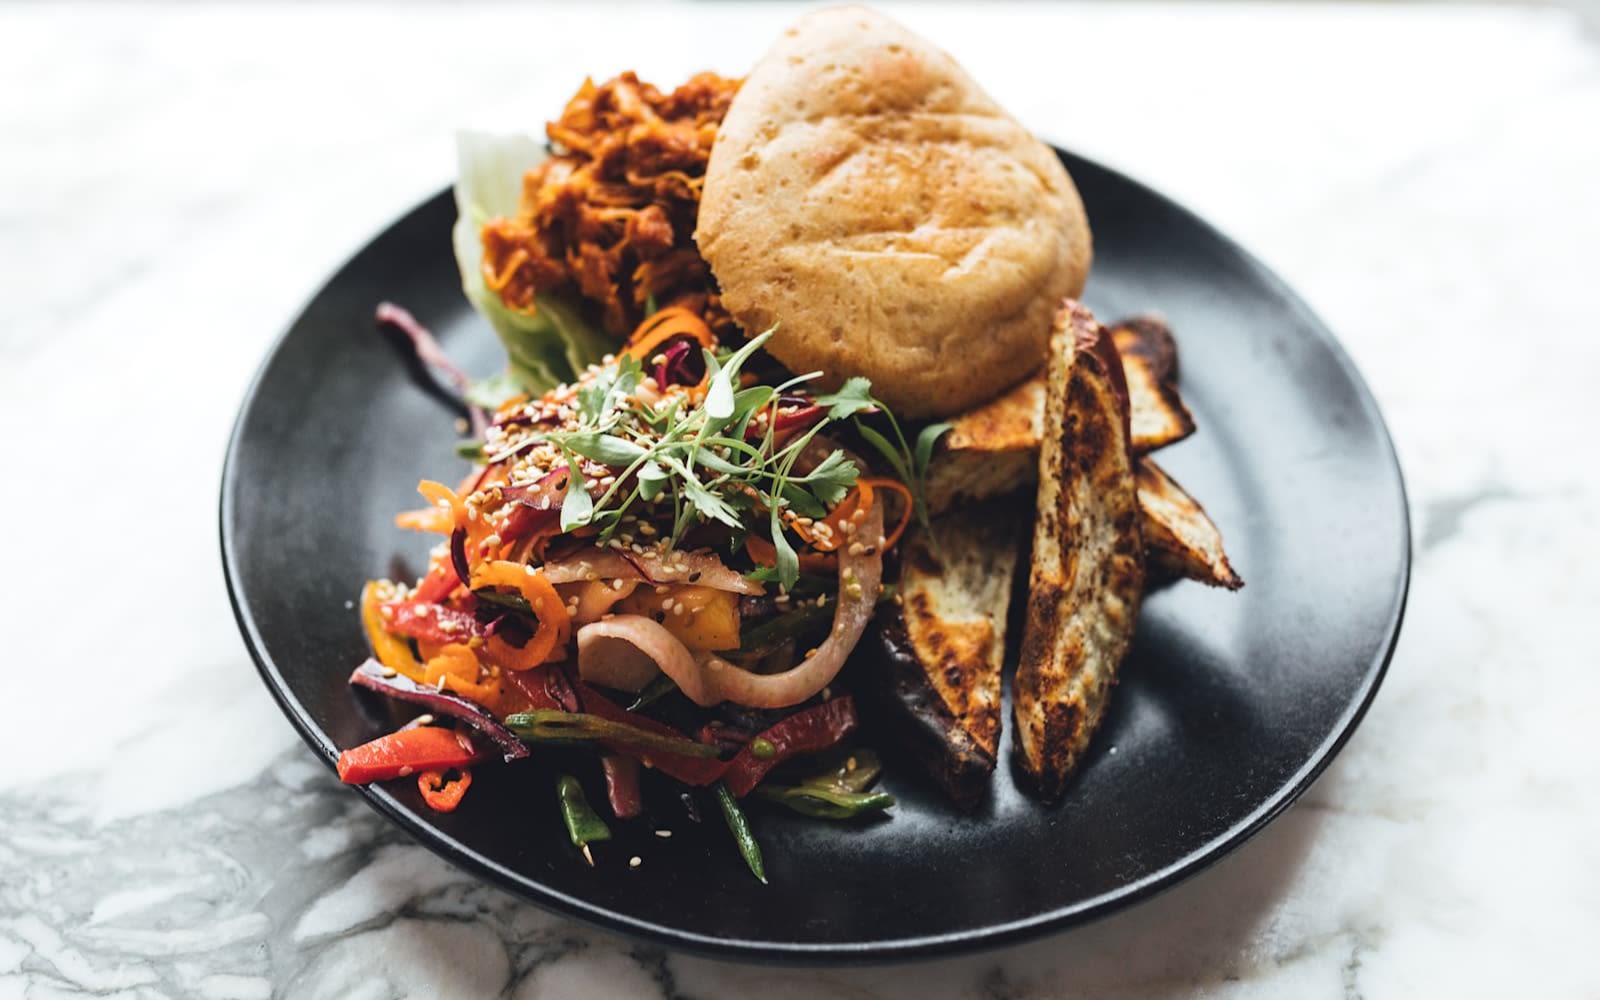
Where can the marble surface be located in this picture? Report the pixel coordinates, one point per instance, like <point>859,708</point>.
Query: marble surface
<point>175,180</point>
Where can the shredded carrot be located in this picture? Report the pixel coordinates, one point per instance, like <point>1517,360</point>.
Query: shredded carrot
<point>906,507</point>
<point>554,622</point>
<point>664,325</point>
<point>859,498</point>
<point>762,553</point>
<point>387,648</point>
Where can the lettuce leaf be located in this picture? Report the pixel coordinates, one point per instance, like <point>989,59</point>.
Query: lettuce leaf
<point>555,342</point>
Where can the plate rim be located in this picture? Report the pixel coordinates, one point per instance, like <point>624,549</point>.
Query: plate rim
<point>891,950</point>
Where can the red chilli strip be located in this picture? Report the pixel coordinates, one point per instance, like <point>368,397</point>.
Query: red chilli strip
<point>816,729</point>
<point>430,353</point>
<point>544,687</point>
<point>436,586</point>
<point>432,622</point>
<point>622,785</point>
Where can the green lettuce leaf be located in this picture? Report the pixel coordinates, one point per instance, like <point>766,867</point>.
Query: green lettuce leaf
<point>555,342</point>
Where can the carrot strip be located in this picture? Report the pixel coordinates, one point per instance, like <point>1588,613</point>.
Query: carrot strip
<point>664,325</point>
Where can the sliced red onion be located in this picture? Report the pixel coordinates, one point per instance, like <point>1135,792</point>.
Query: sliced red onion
<point>700,567</point>
<point>377,677</point>
<point>673,370</point>
<point>429,352</point>
<point>859,577</point>
<point>458,556</point>
<point>653,649</point>
<point>618,654</point>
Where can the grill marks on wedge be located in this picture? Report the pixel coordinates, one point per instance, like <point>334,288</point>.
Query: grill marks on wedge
<point>1088,565</point>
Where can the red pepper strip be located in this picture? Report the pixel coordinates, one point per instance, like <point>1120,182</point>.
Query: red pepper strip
<point>442,790</point>
<point>402,754</point>
<point>689,770</point>
<point>437,585</point>
<point>622,785</point>
<point>438,623</point>
<point>544,687</point>
<point>811,731</point>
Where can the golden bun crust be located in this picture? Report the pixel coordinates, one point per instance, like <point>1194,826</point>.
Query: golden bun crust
<point>865,196</point>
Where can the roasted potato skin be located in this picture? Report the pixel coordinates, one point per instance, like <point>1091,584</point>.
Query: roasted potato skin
<point>950,754</point>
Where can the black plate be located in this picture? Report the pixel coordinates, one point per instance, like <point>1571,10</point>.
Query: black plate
<point>1229,706</point>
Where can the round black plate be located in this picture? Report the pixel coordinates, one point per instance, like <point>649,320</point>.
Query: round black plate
<point>1228,708</point>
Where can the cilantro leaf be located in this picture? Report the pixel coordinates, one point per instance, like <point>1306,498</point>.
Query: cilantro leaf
<point>855,396</point>
<point>832,478</point>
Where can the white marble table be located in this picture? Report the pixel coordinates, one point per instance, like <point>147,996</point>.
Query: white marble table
<point>174,180</point>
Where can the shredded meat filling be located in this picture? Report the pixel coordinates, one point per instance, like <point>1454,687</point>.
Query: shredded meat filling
<point>612,215</point>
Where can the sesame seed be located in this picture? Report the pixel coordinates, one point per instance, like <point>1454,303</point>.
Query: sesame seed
<point>635,861</point>
<point>850,765</point>
<point>856,548</point>
<point>663,833</point>
<point>405,771</point>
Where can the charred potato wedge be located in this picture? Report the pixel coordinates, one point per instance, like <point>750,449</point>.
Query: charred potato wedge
<point>1180,540</point>
<point>1087,573</point>
<point>943,643</point>
<point>1150,363</point>
<point>994,450</point>
<point>991,451</point>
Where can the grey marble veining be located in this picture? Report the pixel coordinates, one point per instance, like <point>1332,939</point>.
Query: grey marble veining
<point>174,180</point>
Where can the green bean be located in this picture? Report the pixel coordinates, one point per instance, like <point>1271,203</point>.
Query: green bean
<point>584,825</point>
<point>826,803</point>
<point>654,691</point>
<point>553,725</point>
<point>740,826</point>
<point>845,770</point>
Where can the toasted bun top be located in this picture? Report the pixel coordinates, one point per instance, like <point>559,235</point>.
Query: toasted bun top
<point>869,199</point>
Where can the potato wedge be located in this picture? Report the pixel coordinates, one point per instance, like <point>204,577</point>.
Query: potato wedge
<point>1180,540</point>
<point>1087,574</point>
<point>943,643</point>
<point>1150,362</point>
<point>993,450</point>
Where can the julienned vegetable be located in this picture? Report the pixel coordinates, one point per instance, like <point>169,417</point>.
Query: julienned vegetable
<point>380,678</point>
<point>407,752</point>
<point>826,803</point>
<point>739,826</point>
<point>557,726</point>
<point>584,825</point>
